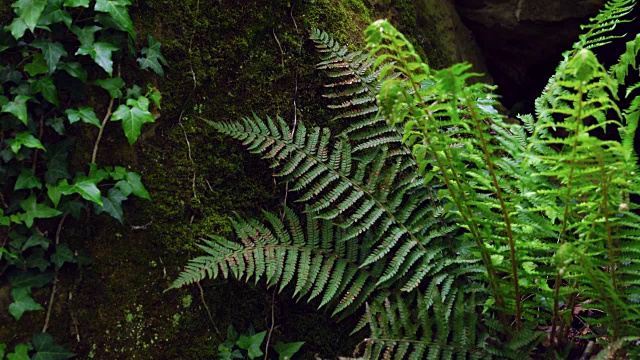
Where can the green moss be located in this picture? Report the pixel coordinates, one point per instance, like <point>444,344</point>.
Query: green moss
<point>244,59</point>
<point>424,23</point>
<point>253,57</point>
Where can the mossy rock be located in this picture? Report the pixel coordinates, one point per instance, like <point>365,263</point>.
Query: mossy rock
<point>227,59</point>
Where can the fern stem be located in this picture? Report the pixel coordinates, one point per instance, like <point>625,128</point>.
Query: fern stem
<point>427,129</point>
<point>612,253</point>
<point>561,237</point>
<point>503,207</point>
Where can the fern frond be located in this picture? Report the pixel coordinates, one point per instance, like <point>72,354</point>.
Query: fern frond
<point>374,192</point>
<point>503,182</point>
<point>317,262</point>
<point>422,326</point>
<point>600,27</point>
<point>358,82</point>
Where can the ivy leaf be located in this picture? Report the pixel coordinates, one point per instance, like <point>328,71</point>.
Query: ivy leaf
<point>37,260</point>
<point>286,351</point>
<point>6,42</point>
<point>56,158</point>
<point>36,240</point>
<point>112,85</point>
<point>155,96</point>
<point>33,210</point>
<point>37,66</point>
<point>52,51</point>
<point>17,28</point>
<point>85,187</point>
<point>100,52</point>
<point>29,279</point>
<point>62,255</point>
<point>45,87</point>
<point>112,204</point>
<point>98,174</point>
<point>27,180</point>
<point>73,207</point>
<point>84,113</point>
<point>25,139</point>
<point>30,11</point>
<point>17,107</point>
<point>252,344</point>
<point>118,11</point>
<point>74,69</point>
<point>54,194</point>
<point>132,184</point>
<point>133,116</point>
<point>22,302</point>
<point>86,35</point>
<point>77,3</point>
<point>134,92</point>
<point>54,14</point>
<point>57,124</point>
<point>46,349</point>
<point>21,352</point>
<point>10,74</point>
<point>118,173</point>
<point>153,57</point>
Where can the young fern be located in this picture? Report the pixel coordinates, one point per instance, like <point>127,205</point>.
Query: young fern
<point>429,209</point>
<point>524,197</point>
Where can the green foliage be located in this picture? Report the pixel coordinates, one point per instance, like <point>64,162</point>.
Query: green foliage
<point>41,347</point>
<point>43,96</point>
<point>473,237</point>
<point>251,342</point>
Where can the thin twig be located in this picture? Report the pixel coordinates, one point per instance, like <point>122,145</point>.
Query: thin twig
<point>35,153</point>
<point>141,227</point>
<point>206,307</point>
<point>295,96</point>
<point>59,229</point>
<point>55,279</point>
<point>297,30</point>
<point>195,86</point>
<point>94,155</point>
<point>273,322</point>
<point>50,305</point>
<point>280,46</point>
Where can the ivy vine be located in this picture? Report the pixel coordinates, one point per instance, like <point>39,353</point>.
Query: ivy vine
<point>59,58</point>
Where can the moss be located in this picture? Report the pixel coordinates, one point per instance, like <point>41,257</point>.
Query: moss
<point>424,23</point>
<point>244,58</point>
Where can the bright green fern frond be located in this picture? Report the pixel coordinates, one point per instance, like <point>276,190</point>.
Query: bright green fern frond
<point>600,27</point>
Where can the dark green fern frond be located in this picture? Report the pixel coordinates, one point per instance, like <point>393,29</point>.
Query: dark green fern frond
<point>316,262</point>
<point>419,326</point>
<point>354,88</point>
<point>375,193</point>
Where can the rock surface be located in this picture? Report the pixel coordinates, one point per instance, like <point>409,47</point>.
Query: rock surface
<point>522,39</point>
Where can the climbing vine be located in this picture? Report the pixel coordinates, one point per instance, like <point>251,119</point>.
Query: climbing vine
<point>60,60</point>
